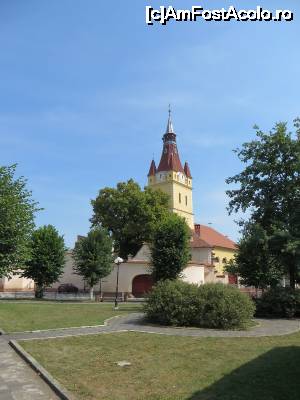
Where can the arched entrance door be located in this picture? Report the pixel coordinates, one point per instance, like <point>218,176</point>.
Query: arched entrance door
<point>141,285</point>
<point>232,279</point>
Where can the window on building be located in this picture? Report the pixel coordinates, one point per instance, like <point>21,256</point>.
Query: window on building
<point>186,200</point>
<point>179,197</point>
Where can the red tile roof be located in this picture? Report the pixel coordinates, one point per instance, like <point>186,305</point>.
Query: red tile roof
<point>170,160</point>
<point>197,242</point>
<point>212,238</point>
<point>187,170</point>
<point>152,170</point>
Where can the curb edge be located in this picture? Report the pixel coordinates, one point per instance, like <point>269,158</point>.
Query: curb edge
<point>60,391</point>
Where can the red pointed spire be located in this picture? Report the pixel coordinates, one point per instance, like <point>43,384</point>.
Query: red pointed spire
<point>170,160</point>
<point>152,170</point>
<point>187,170</point>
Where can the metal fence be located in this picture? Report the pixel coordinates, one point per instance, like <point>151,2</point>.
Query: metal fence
<point>65,296</point>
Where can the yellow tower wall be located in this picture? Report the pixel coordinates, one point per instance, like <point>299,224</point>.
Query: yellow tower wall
<point>179,188</point>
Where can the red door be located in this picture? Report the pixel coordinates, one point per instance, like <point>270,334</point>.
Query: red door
<point>141,285</point>
<point>232,279</point>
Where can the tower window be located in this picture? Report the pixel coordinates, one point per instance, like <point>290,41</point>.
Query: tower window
<point>186,200</point>
<point>179,197</point>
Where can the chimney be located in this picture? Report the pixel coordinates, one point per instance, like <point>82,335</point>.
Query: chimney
<point>197,229</point>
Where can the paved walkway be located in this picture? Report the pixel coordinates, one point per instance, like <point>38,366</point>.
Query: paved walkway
<point>17,380</point>
<point>135,322</point>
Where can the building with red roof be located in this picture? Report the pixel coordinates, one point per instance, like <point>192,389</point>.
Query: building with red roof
<point>207,245</point>
<point>210,249</point>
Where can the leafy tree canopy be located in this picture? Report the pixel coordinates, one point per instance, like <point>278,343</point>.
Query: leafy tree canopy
<point>170,251</point>
<point>253,262</point>
<point>17,211</point>
<point>47,259</point>
<point>130,214</point>
<point>270,182</point>
<point>269,188</point>
<point>93,256</point>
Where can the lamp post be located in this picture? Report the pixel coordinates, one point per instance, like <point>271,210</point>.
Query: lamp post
<point>117,261</point>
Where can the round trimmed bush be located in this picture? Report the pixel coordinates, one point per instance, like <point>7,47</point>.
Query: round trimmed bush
<point>173,302</point>
<point>211,305</point>
<point>279,302</point>
<point>225,307</point>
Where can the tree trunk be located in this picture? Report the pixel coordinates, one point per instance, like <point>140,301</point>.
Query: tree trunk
<point>92,293</point>
<point>100,289</point>
<point>39,291</point>
<point>292,277</point>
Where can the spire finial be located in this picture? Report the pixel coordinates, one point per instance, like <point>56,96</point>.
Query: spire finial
<point>170,128</point>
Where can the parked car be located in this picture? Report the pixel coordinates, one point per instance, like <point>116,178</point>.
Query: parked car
<point>67,288</point>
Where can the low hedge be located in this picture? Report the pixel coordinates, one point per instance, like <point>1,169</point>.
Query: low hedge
<point>211,305</point>
<point>279,302</point>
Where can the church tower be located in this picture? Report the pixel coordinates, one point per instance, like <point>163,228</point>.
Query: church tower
<point>172,178</point>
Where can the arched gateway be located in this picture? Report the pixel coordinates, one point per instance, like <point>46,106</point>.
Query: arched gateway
<point>141,285</point>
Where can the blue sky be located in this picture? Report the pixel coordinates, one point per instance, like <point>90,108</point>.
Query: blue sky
<point>85,87</point>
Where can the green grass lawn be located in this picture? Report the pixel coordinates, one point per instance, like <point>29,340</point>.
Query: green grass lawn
<point>23,316</point>
<point>173,368</point>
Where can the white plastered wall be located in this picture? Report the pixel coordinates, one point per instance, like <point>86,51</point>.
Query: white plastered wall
<point>193,274</point>
<point>69,276</point>
<point>17,283</point>
<point>138,265</point>
<point>201,255</point>
<point>127,272</point>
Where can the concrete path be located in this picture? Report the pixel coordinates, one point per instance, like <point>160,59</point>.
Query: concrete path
<point>135,323</point>
<point>17,380</point>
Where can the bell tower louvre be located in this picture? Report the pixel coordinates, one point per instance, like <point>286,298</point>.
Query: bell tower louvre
<point>172,178</point>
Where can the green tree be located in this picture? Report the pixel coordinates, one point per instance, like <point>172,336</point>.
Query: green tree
<point>93,257</point>
<point>253,262</point>
<point>170,248</point>
<point>129,214</point>
<point>285,245</point>
<point>17,210</point>
<point>47,259</point>
<point>269,187</point>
